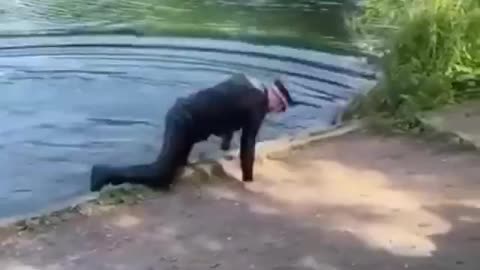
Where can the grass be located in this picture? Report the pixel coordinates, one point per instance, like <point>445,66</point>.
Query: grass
<point>430,55</point>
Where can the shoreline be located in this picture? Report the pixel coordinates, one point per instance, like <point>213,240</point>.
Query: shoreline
<point>212,168</point>
<point>363,200</point>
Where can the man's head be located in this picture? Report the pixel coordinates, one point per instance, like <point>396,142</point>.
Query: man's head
<point>279,98</point>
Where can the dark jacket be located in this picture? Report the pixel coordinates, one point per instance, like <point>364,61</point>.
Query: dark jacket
<point>232,105</point>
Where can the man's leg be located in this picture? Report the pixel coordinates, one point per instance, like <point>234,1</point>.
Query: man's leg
<point>159,174</point>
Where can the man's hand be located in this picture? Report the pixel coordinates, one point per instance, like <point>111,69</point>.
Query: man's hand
<point>225,146</point>
<point>230,165</point>
<point>247,179</point>
<point>226,141</point>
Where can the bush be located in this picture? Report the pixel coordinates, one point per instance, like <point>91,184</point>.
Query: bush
<point>430,53</point>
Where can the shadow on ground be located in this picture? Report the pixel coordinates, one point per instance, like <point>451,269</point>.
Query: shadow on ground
<point>354,202</point>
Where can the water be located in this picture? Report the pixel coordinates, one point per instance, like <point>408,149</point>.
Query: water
<point>87,82</point>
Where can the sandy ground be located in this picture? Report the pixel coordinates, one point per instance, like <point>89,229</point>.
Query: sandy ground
<point>354,202</point>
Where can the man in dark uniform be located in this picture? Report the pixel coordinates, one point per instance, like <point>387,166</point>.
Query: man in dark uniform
<point>239,103</point>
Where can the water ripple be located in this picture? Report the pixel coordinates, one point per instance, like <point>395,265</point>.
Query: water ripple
<point>68,103</point>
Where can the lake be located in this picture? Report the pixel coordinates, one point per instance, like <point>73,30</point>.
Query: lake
<point>87,82</point>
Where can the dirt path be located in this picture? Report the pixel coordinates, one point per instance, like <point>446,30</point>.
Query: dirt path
<point>354,202</point>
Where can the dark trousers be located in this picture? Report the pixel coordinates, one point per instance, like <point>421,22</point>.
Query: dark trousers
<point>177,145</point>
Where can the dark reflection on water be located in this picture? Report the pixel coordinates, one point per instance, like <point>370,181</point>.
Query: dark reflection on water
<point>300,22</point>
<point>71,101</point>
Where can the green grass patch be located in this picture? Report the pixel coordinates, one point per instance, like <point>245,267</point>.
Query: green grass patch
<point>430,55</point>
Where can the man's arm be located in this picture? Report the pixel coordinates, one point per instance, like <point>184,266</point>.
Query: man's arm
<point>247,145</point>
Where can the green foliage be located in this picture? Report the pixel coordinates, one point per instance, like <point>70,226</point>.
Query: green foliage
<point>430,53</point>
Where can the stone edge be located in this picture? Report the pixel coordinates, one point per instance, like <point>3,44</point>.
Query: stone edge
<point>456,137</point>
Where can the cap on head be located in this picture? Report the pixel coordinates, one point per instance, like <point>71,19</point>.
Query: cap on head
<point>280,84</point>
